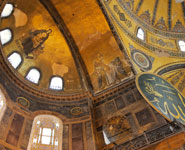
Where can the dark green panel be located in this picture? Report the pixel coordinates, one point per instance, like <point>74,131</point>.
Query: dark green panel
<point>162,96</point>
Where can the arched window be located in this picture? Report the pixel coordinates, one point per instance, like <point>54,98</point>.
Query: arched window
<point>140,34</point>
<point>33,75</point>
<point>182,45</point>
<point>46,133</point>
<point>15,59</point>
<point>2,104</point>
<point>6,36</point>
<point>107,141</point>
<point>7,10</point>
<point>56,83</point>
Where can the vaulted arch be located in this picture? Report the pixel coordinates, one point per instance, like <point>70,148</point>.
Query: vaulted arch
<point>2,104</point>
<point>33,75</point>
<point>181,45</point>
<point>7,10</point>
<point>46,133</point>
<point>141,34</point>
<point>15,59</point>
<point>56,83</point>
<point>5,36</point>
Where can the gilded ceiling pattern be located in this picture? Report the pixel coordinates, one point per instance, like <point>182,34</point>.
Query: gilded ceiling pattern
<point>41,45</point>
<point>95,42</point>
<point>164,15</point>
<point>160,46</point>
<point>98,63</point>
<point>176,78</point>
<point>70,43</point>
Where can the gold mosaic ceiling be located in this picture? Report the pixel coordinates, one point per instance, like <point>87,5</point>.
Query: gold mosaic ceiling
<point>70,39</point>
<point>165,15</point>
<point>29,21</point>
<point>79,46</point>
<point>163,26</point>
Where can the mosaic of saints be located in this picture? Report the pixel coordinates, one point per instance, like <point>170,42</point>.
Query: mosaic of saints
<point>107,74</point>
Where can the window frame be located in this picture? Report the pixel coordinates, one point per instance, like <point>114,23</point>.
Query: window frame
<point>3,109</point>
<point>22,60</point>
<point>144,37</point>
<point>51,136</point>
<point>180,46</point>
<point>28,73</point>
<point>36,135</point>
<point>56,89</point>
<point>7,28</point>
<point>10,13</point>
<point>106,140</point>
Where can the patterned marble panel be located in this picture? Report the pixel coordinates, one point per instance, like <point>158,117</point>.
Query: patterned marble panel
<point>77,137</point>
<point>144,117</point>
<point>110,107</point>
<point>26,135</point>
<point>4,121</point>
<point>120,103</point>
<point>15,130</point>
<point>130,98</point>
<point>65,137</point>
<point>90,142</point>
<point>98,113</point>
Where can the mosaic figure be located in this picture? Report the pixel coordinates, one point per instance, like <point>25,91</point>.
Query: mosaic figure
<point>107,74</point>
<point>32,45</point>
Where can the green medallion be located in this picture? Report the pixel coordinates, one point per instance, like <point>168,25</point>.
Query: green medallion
<point>23,102</point>
<point>162,96</point>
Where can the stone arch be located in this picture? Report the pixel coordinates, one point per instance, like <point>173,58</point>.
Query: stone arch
<point>46,132</point>
<point>3,104</point>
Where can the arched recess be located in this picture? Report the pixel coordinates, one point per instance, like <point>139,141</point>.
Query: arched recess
<point>56,83</point>
<point>5,36</point>
<point>181,44</point>
<point>33,75</point>
<point>2,104</point>
<point>141,34</point>
<point>15,59</point>
<point>7,10</point>
<point>106,140</point>
<point>46,133</point>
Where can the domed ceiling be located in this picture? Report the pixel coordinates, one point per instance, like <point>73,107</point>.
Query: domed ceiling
<point>160,42</point>
<point>68,39</point>
<point>29,23</point>
<point>167,15</point>
<point>162,25</point>
<point>73,41</point>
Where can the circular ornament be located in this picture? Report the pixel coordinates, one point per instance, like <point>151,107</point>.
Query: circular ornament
<point>23,101</point>
<point>141,59</point>
<point>76,111</point>
<point>162,96</point>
